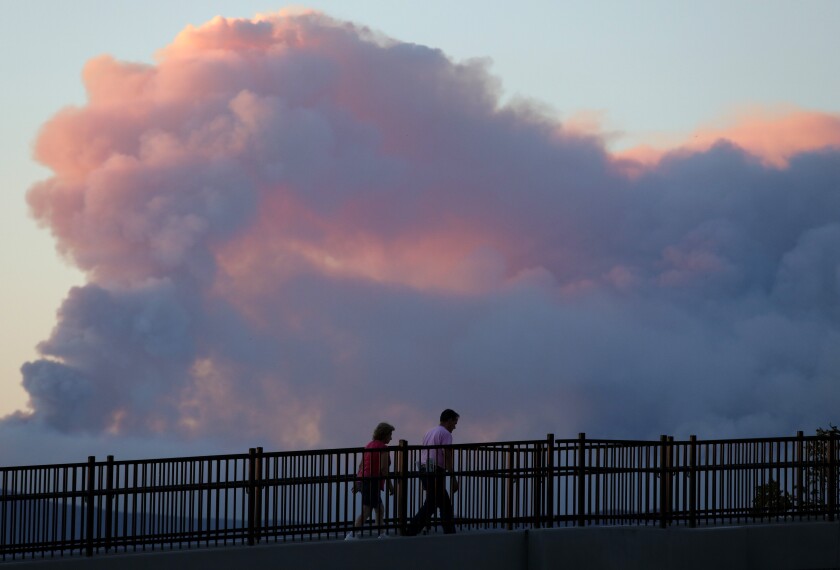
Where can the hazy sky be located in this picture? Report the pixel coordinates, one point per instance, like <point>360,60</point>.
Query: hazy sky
<point>655,72</point>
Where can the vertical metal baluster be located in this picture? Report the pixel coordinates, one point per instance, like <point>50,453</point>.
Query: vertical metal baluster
<point>89,494</point>
<point>217,480</point>
<point>143,510</point>
<point>27,509</point>
<point>581,480</point>
<point>62,545</point>
<point>296,493</point>
<point>832,476</point>
<point>800,473</point>
<point>203,495</point>
<point>4,543</point>
<point>692,482</point>
<point>158,498</point>
<point>109,500</point>
<point>663,474</point>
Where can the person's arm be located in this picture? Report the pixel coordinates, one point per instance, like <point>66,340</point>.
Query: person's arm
<point>356,486</point>
<point>449,465</point>
<point>385,470</point>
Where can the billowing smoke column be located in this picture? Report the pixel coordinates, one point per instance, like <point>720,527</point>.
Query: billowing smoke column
<point>294,228</point>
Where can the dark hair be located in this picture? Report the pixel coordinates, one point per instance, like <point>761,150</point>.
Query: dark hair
<point>382,431</point>
<point>447,415</point>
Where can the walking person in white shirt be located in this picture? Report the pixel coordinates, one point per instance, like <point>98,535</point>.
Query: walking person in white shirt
<point>435,464</point>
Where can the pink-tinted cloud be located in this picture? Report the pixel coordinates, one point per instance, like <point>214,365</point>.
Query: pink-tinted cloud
<point>774,137</point>
<point>294,228</point>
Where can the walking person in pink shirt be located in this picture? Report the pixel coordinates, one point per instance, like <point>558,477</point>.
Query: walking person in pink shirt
<point>372,478</point>
<point>434,466</point>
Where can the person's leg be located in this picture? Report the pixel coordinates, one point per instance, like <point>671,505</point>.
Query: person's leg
<point>444,503</point>
<point>360,520</point>
<point>419,521</point>
<point>357,524</point>
<point>380,522</point>
<point>447,513</point>
<point>370,496</point>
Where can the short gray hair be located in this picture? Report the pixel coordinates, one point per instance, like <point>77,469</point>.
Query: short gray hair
<point>382,431</point>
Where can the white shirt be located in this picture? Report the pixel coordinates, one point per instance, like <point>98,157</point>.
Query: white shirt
<point>432,458</point>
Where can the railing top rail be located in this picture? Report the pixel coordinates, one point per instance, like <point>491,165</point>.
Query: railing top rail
<point>784,439</point>
<point>595,441</point>
<point>781,439</point>
<point>410,447</point>
<point>485,444</point>
<point>191,458</point>
<point>10,468</point>
<point>559,443</point>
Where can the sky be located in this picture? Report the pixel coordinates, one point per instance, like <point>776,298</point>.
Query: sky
<point>553,217</point>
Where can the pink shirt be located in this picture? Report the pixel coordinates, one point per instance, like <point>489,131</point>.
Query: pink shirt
<point>435,457</point>
<point>371,460</point>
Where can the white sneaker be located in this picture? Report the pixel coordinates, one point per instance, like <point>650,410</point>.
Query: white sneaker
<point>351,536</point>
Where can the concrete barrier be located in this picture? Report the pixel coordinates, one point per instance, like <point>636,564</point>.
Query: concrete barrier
<point>501,549</point>
<point>797,546</point>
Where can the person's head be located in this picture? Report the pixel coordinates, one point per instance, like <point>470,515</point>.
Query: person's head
<point>383,432</point>
<point>449,419</point>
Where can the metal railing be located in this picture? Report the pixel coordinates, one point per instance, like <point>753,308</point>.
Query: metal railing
<point>155,504</point>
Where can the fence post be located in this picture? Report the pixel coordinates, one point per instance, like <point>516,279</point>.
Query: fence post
<point>832,477</point>
<point>800,472</point>
<point>251,491</point>
<point>692,481</point>
<point>109,501</point>
<point>663,481</point>
<point>536,486</point>
<point>510,484</point>
<point>402,487</point>
<point>90,496</point>
<point>581,480</point>
<point>258,495</point>
<point>549,481</point>
<point>672,478</point>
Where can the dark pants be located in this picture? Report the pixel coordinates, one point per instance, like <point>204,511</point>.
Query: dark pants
<point>434,484</point>
<point>370,492</point>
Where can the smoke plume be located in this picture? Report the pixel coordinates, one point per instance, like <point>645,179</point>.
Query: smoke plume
<point>293,228</point>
